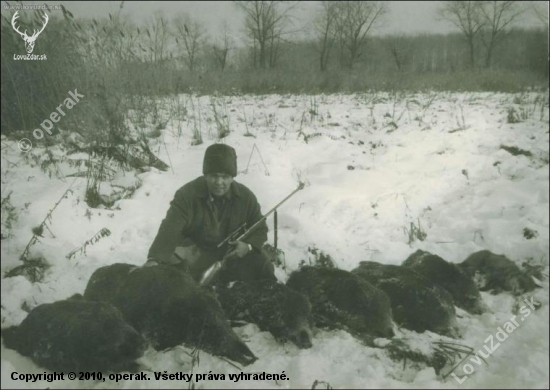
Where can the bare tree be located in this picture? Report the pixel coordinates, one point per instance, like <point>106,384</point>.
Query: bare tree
<point>399,49</point>
<point>354,21</point>
<point>324,26</point>
<point>540,9</point>
<point>192,35</point>
<point>498,16</point>
<point>265,23</point>
<point>222,46</point>
<point>275,38</point>
<point>468,17</point>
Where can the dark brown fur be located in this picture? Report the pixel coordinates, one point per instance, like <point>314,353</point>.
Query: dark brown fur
<point>417,304</point>
<point>274,307</point>
<point>76,335</point>
<point>496,273</point>
<point>449,276</point>
<point>168,308</point>
<point>342,300</point>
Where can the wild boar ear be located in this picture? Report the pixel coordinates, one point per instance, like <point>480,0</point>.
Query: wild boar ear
<point>76,297</point>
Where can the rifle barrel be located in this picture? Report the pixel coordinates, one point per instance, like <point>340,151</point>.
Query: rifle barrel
<point>210,274</point>
<point>253,227</point>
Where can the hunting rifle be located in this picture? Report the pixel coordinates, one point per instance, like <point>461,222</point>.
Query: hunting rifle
<point>237,235</point>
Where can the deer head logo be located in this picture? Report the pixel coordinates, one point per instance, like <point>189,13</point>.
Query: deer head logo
<point>29,41</point>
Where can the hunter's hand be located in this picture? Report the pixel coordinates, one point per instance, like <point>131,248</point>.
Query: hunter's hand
<point>240,249</point>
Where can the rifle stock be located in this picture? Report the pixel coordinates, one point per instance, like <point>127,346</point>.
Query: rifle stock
<point>211,273</point>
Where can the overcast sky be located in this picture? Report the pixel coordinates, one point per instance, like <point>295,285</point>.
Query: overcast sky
<point>408,17</point>
<point>404,16</point>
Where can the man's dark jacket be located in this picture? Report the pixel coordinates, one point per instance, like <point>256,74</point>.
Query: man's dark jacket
<point>192,215</point>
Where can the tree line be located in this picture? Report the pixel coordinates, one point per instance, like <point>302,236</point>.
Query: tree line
<point>337,51</point>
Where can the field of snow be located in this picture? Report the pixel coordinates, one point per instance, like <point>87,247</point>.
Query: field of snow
<point>378,168</point>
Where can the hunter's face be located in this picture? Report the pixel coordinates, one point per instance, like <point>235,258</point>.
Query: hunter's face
<point>218,183</point>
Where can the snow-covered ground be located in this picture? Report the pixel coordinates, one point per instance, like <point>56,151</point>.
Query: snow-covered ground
<point>373,165</point>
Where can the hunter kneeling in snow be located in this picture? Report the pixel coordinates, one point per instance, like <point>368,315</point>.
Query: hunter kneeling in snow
<point>203,213</point>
